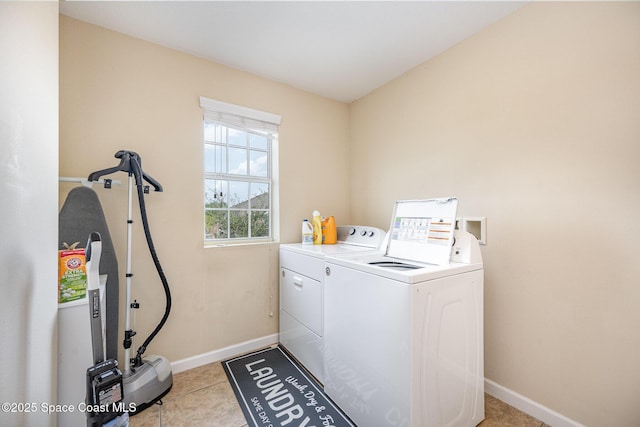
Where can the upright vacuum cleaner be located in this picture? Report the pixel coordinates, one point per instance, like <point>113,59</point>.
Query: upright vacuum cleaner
<point>105,406</point>
<point>146,380</point>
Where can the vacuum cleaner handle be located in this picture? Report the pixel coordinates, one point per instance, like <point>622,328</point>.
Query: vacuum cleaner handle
<point>93,251</point>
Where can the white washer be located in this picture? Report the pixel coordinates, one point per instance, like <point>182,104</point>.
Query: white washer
<point>302,293</point>
<point>404,337</point>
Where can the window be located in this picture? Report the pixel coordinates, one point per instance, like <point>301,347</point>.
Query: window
<point>239,173</point>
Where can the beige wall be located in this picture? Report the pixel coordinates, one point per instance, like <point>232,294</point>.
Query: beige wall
<point>535,124</point>
<point>118,92</point>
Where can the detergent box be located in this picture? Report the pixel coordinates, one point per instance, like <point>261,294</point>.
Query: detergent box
<point>72,275</point>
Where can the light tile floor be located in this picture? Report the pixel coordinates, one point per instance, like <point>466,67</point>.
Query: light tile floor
<point>203,397</point>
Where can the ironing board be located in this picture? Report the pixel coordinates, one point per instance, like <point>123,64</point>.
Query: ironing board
<point>80,215</point>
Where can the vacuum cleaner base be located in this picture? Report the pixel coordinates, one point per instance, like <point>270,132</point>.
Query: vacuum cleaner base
<point>148,384</point>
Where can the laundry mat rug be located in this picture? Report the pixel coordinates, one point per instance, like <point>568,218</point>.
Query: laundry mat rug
<point>273,390</point>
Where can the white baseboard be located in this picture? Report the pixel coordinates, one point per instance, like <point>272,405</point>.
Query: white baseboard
<point>528,406</point>
<point>223,353</point>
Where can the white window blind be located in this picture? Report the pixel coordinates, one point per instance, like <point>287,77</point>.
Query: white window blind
<point>237,115</point>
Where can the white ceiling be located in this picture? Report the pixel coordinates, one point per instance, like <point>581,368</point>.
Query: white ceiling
<point>338,49</point>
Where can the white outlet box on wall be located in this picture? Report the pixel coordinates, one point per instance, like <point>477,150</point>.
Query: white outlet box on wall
<point>476,225</point>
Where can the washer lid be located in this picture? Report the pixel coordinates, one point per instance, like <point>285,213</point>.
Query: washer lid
<point>422,230</point>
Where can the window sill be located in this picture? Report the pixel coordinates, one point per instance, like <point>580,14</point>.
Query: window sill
<point>239,242</point>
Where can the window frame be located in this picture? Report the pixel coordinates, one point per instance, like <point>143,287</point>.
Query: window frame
<point>253,122</point>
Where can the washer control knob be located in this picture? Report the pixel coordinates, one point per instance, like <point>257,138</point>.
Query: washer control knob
<point>352,231</point>
<point>363,233</point>
<point>371,233</point>
<point>327,271</point>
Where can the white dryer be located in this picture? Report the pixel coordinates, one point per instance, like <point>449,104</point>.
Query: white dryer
<point>404,327</point>
<point>302,291</point>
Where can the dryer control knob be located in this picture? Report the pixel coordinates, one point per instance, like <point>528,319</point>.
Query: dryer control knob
<point>327,271</point>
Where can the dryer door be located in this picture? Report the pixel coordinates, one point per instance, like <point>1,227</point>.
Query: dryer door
<point>302,299</point>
